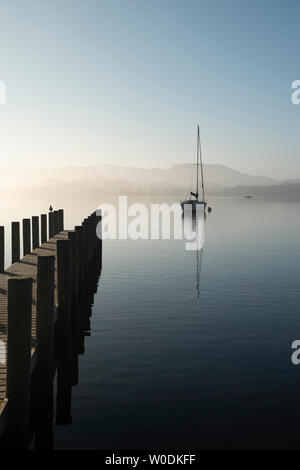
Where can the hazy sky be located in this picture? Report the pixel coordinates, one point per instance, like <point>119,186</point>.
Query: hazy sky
<point>126,81</point>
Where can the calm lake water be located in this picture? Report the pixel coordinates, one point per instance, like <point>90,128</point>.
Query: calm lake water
<point>165,367</point>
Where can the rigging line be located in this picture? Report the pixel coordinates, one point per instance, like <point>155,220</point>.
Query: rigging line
<point>201,166</point>
<point>197,190</point>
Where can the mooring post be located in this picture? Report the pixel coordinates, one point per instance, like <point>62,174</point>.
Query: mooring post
<point>88,229</point>
<point>63,331</point>
<point>86,247</point>
<point>35,232</point>
<point>79,230</point>
<point>75,308</point>
<point>19,292</point>
<point>61,220</point>
<point>2,252</point>
<point>98,239</point>
<point>64,284</point>
<point>43,228</point>
<point>43,373</point>
<point>94,218</point>
<point>26,237</point>
<point>56,222</point>
<point>73,236</point>
<point>90,225</point>
<point>15,242</point>
<point>51,225</point>
<point>45,309</point>
<point>55,228</point>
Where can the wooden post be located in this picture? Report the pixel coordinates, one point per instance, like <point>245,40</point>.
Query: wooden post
<point>42,375</point>
<point>99,239</point>
<point>45,309</point>
<point>15,242</point>
<point>51,225</point>
<point>2,251</point>
<point>79,230</point>
<point>43,228</point>
<point>86,246</point>
<point>63,331</point>
<point>19,293</point>
<point>61,220</point>
<point>53,218</point>
<point>26,237</point>
<point>74,317</point>
<point>56,227</point>
<point>35,232</point>
<point>64,283</point>
<point>90,235</point>
<point>98,225</point>
<point>73,236</point>
<point>94,236</point>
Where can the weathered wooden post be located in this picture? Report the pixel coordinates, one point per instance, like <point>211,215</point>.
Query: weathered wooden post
<point>51,224</point>
<point>64,283</point>
<point>35,232</point>
<point>90,228</point>
<point>79,230</point>
<point>75,321</point>
<point>43,228</point>
<point>15,242</point>
<point>45,309</point>
<point>99,240</point>
<point>2,251</point>
<point>86,246</point>
<point>61,219</point>
<point>19,293</point>
<point>63,336</point>
<point>42,375</point>
<point>26,237</point>
<point>56,222</point>
<point>89,231</point>
<point>94,235</point>
<point>73,236</point>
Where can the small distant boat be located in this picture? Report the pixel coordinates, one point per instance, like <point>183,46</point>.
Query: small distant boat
<point>196,201</point>
<point>248,196</point>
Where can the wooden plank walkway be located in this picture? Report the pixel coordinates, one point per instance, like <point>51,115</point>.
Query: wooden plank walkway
<point>27,266</point>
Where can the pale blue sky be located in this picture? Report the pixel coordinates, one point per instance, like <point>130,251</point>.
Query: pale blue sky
<point>126,81</point>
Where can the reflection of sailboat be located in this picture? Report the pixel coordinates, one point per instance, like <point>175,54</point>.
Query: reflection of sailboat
<point>195,226</point>
<point>193,203</point>
<point>199,254</point>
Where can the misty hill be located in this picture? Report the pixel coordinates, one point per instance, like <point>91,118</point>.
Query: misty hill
<point>120,178</point>
<point>79,183</point>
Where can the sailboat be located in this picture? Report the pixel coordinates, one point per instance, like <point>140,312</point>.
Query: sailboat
<point>197,201</point>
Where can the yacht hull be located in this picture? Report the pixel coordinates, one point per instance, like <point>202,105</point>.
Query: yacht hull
<point>194,204</point>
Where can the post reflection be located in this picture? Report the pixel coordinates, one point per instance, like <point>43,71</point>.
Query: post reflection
<point>68,346</point>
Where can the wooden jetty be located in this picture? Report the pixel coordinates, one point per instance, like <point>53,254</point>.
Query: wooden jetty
<point>42,300</point>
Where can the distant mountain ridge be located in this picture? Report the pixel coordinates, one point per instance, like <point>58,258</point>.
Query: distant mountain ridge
<point>94,182</point>
<point>178,176</point>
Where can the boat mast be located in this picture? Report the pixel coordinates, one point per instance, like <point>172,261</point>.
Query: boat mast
<point>197,189</point>
<point>202,179</point>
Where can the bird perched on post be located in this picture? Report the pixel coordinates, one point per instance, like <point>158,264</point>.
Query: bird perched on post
<point>50,208</point>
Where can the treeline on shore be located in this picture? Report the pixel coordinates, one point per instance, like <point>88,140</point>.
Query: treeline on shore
<point>93,189</point>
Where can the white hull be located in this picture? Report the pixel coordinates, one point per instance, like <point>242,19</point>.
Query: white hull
<point>194,203</point>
